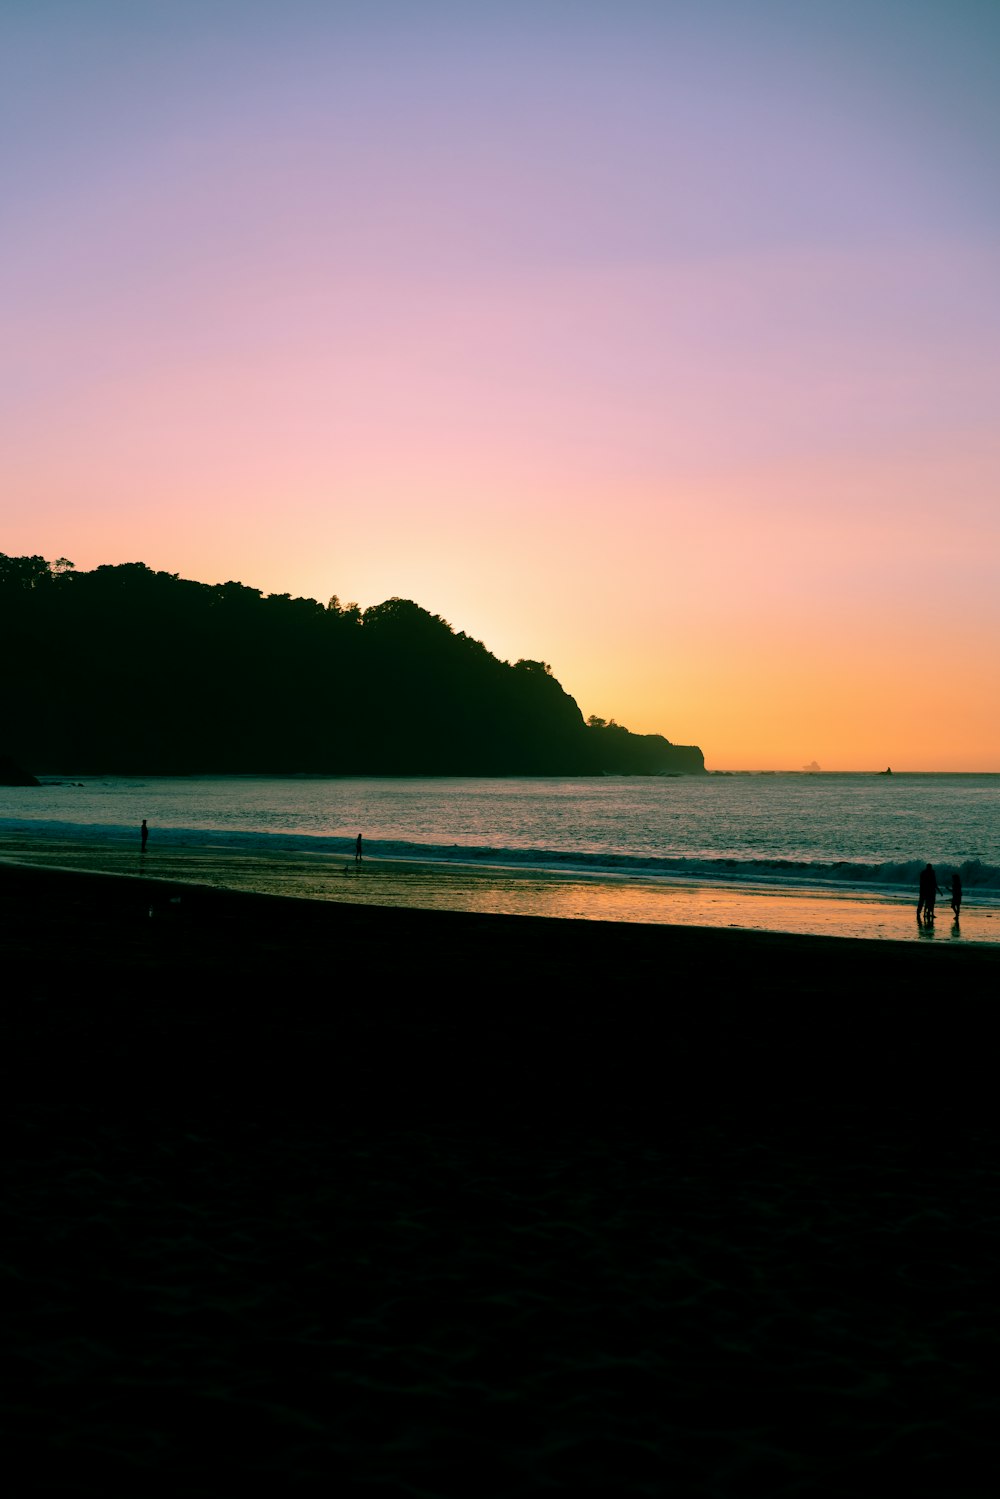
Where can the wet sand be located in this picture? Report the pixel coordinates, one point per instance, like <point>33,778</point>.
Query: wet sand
<point>486,889</point>
<point>437,1203</point>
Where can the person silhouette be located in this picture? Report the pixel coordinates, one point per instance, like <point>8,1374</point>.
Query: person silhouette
<point>144,834</point>
<point>929,888</point>
<point>956,893</point>
<point>357,850</point>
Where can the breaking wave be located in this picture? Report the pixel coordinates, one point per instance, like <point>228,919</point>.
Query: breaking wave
<point>891,878</point>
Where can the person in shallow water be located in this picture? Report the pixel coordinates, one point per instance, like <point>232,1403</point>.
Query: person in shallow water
<point>144,834</point>
<point>956,893</point>
<point>357,850</point>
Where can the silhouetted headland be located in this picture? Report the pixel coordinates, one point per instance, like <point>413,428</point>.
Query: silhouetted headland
<point>254,684</point>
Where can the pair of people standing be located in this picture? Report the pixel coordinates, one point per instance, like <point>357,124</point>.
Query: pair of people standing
<point>930,890</point>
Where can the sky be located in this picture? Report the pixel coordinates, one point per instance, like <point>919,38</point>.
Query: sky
<point>659,342</point>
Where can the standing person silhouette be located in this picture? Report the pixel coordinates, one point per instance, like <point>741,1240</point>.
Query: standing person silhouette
<point>357,850</point>
<point>144,834</point>
<point>956,893</point>
<point>929,889</point>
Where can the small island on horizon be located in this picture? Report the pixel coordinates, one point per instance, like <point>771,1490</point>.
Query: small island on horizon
<point>127,670</point>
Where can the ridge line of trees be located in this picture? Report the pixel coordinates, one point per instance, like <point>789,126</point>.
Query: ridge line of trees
<point>127,670</point>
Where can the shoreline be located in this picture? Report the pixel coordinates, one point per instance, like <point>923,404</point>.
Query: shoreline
<point>608,1008</point>
<point>552,895</point>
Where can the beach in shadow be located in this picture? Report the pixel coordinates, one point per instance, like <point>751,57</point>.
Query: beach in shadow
<point>449,1204</point>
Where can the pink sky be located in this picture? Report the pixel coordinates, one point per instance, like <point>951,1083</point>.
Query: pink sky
<point>656,344</point>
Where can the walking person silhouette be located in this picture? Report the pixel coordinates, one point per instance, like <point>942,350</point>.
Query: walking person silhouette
<point>357,850</point>
<point>144,834</point>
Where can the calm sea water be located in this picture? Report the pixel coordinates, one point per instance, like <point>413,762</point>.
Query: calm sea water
<point>863,833</point>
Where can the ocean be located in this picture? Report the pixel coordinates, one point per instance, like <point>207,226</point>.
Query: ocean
<point>829,853</point>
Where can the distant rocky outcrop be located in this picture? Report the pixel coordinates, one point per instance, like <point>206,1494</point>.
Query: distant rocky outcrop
<point>618,751</point>
<point>11,774</point>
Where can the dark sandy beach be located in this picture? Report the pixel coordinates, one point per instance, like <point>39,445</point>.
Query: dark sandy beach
<point>318,1196</point>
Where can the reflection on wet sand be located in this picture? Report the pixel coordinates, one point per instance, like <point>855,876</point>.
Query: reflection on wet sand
<point>505,891</point>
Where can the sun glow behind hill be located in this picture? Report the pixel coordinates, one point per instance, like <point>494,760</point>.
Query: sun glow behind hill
<point>661,344</point>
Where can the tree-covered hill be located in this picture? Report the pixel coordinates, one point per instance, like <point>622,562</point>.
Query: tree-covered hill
<point>128,670</point>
